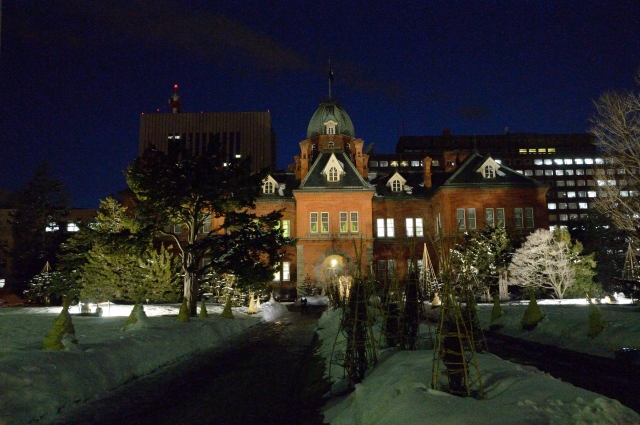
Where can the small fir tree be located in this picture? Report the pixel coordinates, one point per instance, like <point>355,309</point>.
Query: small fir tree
<point>132,319</point>
<point>184,315</point>
<point>496,311</point>
<point>532,315</point>
<point>203,310</point>
<point>226,312</point>
<point>596,321</point>
<point>61,327</point>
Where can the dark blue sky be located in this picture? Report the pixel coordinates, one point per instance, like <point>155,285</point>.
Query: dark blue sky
<point>75,75</point>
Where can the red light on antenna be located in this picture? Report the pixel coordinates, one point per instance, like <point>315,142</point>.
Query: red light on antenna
<point>175,86</point>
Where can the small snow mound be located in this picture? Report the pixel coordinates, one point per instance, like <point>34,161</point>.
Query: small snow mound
<point>272,310</point>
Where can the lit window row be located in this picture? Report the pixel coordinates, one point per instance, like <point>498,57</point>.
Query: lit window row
<point>570,206</point>
<point>382,164</point>
<point>54,227</point>
<point>572,161</point>
<point>564,217</point>
<point>537,150</point>
<point>466,218</point>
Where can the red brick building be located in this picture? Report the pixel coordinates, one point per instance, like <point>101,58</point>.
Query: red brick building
<point>334,205</point>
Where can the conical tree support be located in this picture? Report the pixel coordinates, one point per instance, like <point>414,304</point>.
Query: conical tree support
<point>412,314</point>
<point>631,270</point>
<point>429,284</point>
<point>391,312</point>
<point>454,353</point>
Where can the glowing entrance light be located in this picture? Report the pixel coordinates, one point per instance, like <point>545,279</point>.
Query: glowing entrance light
<point>334,262</point>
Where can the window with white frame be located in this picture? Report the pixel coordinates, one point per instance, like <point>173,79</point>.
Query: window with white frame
<point>396,186</point>
<point>460,217</point>
<point>324,222</point>
<point>471,218</point>
<point>332,175</point>
<point>268,187</point>
<point>354,222</point>
<point>489,217</point>
<point>528,218</point>
<point>286,271</point>
<point>344,222</point>
<point>414,227</point>
<point>386,269</point>
<point>313,225</point>
<point>72,227</point>
<point>489,172</point>
<point>385,227</point>
<point>52,227</point>
<point>518,216</point>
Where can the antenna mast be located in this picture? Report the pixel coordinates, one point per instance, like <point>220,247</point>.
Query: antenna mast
<point>330,78</point>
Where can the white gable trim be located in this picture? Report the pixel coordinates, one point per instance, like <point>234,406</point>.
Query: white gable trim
<point>333,162</point>
<point>489,162</point>
<point>271,180</point>
<point>395,177</point>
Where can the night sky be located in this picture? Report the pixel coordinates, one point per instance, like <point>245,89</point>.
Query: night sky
<point>76,75</point>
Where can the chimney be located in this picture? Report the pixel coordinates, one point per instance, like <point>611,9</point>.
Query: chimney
<point>427,171</point>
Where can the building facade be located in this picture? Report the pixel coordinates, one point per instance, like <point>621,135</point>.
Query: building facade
<point>343,204</point>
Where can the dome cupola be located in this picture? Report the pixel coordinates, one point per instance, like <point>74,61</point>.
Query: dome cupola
<point>330,118</point>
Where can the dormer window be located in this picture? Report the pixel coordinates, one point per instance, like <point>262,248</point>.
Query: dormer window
<point>330,127</point>
<point>332,176</point>
<point>396,183</point>
<point>331,144</point>
<point>489,172</point>
<point>489,169</point>
<point>269,185</point>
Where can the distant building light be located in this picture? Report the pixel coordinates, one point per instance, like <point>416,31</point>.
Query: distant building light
<point>238,155</point>
<point>2,283</point>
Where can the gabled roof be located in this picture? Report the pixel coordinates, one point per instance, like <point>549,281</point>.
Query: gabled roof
<point>469,176</point>
<point>351,179</point>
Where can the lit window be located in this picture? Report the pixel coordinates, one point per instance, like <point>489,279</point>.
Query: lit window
<point>324,222</point>
<point>500,217</point>
<point>551,206</point>
<point>568,161</point>
<point>562,205</point>
<point>528,172</point>
<point>559,172</point>
<point>390,228</point>
<point>548,172</point>
<point>568,172</point>
<point>344,225</point>
<point>52,227</point>
<point>583,205</point>
<point>409,227</point>
<point>533,150</point>
<point>588,161</point>
<point>551,150</point>
<point>333,174</point>
<point>354,222</point>
<point>624,193</point>
<point>373,163</point>
<point>562,194</point>
<point>571,194</point>
<point>489,172</point>
<point>522,150</point>
<point>384,163</point>
<point>564,217</point>
<point>488,214</point>
<point>599,161</point>
<point>286,270</point>
<point>415,163</point>
<point>580,172</point>
<point>313,228</point>
<point>548,162</point>
<point>539,172</point>
<point>571,183</point>
<point>518,215</point>
<point>582,194</point>
<point>592,194</point>
<point>268,187</point>
<point>579,161</point>
<point>461,218</point>
<point>72,227</point>
<point>557,161</point>
<point>286,228</point>
<point>385,227</point>
<point>537,162</point>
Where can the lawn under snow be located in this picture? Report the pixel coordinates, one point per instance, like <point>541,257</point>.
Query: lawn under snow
<point>398,391</point>
<point>35,384</point>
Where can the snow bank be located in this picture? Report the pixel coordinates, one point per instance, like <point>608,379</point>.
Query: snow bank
<point>272,310</point>
<point>398,391</point>
<point>35,384</point>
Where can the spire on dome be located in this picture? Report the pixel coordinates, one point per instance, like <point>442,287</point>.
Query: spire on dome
<point>330,78</point>
<point>174,101</point>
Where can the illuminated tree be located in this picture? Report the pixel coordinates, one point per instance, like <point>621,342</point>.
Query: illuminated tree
<point>616,128</point>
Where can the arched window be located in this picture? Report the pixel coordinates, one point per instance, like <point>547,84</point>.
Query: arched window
<point>333,174</point>
<point>489,172</point>
<point>268,187</point>
<point>331,144</point>
<point>396,186</point>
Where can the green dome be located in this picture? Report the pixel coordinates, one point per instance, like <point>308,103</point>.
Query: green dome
<point>330,111</point>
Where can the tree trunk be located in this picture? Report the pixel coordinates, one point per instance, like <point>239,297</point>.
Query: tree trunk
<point>191,291</point>
<point>503,287</point>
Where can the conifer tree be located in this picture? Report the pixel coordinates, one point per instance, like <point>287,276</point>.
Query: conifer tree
<point>184,315</point>
<point>61,327</point>
<point>596,321</point>
<point>226,312</point>
<point>203,310</point>
<point>532,315</point>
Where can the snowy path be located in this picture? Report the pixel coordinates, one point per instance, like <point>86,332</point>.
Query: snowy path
<point>260,376</point>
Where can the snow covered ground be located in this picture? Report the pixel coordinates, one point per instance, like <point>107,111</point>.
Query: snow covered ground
<point>398,391</point>
<point>35,384</point>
